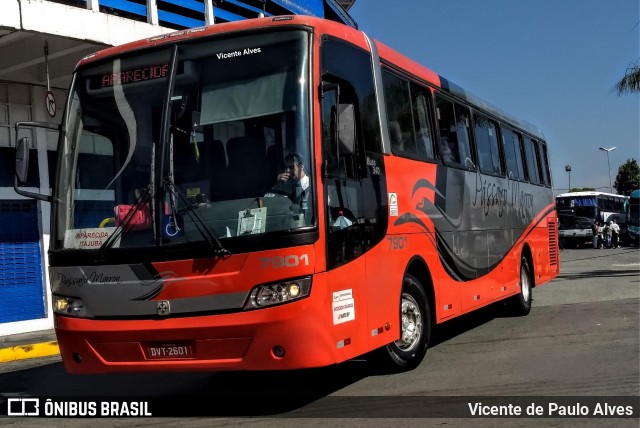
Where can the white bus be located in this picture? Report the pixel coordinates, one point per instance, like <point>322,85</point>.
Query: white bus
<point>577,211</point>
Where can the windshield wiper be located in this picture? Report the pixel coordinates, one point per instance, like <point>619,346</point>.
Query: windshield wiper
<point>203,229</point>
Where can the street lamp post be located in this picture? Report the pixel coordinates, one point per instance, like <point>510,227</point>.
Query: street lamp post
<point>609,165</point>
<point>568,169</point>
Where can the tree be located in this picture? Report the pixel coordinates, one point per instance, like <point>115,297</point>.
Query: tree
<point>630,82</point>
<point>582,189</point>
<point>628,178</point>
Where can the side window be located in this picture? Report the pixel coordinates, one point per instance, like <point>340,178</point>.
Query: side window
<point>398,103</point>
<point>353,65</point>
<point>448,142</point>
<point>486,138</point>
<point>532,161</point>
<point>610,203</point>
<point>420,98</point>
<point>453,121</point>
<point>463,124</point>
<point>619,205</point>
<point>544,163</point>
<point>513,153</point>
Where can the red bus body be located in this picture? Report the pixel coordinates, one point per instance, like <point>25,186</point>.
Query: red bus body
<point>365,291</point>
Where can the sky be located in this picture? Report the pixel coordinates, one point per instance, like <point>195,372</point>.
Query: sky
<point>550,62</point>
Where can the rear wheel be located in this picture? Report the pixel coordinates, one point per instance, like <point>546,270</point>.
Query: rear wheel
<point>520,304</point>
<point>407,352</point>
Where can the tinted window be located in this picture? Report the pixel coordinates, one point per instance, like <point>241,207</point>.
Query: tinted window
<point>420,98</point>
<point>463,123</point>
<point>532,161</point>
<point>486,137</point>
<point>448,143</point>
<point>453,121</point>
<point>399,115</point>
<point>513,154</point>
<point>544,164</point>
<point>354,65</point>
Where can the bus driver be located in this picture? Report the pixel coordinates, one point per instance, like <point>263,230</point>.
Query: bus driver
<point>294,181</point>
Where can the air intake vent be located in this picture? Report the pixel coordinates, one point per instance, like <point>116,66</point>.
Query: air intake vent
<point>553,242</point>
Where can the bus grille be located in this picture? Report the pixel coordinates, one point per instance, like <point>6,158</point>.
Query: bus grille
<point>553,243</point>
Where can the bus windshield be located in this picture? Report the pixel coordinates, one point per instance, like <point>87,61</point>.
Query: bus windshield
<point>181,143</point>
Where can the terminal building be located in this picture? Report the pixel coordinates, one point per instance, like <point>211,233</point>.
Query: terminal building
<point>41,41</point>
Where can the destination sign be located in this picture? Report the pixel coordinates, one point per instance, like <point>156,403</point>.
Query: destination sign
<point>134,75</point>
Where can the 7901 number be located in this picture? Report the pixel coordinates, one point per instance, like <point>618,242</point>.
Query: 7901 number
<point>398,242</point>
<point>284,261</point>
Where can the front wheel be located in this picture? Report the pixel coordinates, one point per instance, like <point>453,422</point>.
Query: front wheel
<point>407,352</point>
<point>520,304</point>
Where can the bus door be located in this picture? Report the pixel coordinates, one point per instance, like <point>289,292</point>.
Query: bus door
<point>342,198</point>
<point>355,199</point>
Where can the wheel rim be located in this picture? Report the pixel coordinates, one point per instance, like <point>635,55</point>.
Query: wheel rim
<point>411,323</point>
<point>525,284</point>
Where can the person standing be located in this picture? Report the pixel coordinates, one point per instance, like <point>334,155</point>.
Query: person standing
<point>607,235</point>
<point>594,234</point>
<point>615,231</point>
<point>600,236</point>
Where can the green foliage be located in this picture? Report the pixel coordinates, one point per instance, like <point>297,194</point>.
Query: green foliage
<point>583,189</point>
<point>630,83</point>
<point>628,178</point>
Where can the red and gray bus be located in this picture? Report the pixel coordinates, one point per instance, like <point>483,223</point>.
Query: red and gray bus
<point>175,246</point>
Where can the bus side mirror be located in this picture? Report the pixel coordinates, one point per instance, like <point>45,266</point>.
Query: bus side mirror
<point>346,128</point>
<point>22,170</point>
<point>22,160</point>
<point>343,123</point>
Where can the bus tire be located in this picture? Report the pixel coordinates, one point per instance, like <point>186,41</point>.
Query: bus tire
<point>520,304</point>
<point>407,352</point>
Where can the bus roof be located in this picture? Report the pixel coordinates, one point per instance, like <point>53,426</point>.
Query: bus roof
<point>227,27</point>
<point>395,58</point>
<point>571,194</point>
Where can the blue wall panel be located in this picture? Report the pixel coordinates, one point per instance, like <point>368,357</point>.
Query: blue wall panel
<point>21,288</point>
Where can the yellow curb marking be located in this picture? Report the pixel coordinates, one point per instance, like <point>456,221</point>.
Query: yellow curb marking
<point>29,351</point>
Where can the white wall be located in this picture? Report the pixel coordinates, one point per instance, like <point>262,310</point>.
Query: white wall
<point>54,18</point>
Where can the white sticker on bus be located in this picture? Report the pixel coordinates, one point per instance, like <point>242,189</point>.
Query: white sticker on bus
<point>343,306</point>
<point>88,239</point>
<point>393,204</point>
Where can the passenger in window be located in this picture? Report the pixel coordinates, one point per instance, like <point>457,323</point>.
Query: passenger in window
<point>445,150</point>
<point>395,134</point>
<point>424,142</point>
<point>462,124</point>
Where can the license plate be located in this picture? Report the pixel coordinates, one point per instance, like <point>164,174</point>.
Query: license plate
<point>169,351</point>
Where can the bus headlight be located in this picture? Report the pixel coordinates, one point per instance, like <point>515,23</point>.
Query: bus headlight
<point>278,293</point>
<point>70,306</point>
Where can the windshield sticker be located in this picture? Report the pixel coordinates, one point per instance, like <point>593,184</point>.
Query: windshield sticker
<point>252,221</point>
<point>237,53</point>
<point>89,239</point>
